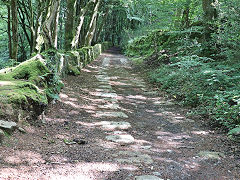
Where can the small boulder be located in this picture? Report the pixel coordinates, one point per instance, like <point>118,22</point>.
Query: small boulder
<point>8,125</point>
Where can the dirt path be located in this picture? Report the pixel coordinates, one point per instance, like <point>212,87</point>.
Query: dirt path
<point>109,124</point>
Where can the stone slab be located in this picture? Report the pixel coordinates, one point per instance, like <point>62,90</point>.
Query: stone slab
<point>115,125</point>
<point>211,155</point>
<point>131,157</point>
<point>111,114</point>
<point>121,138</point>
<point>147,177</point>
<point>109,106</point>
<point>8,125</point>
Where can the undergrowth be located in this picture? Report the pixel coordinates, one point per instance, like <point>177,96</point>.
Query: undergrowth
<point>179,65</point>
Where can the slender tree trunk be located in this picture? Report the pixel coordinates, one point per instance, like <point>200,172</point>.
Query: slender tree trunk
<point>83,11</point>
<point>101,26</point>
<point>92,26</point>
<point>47,27</point>
<point>185,17</point>
<point>14,29</point>
<point>55,28</point>
<point>32,31</point>
<point>9,32</point>
<point>22,17</point>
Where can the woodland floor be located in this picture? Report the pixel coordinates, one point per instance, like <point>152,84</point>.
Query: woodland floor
<point>73,144</point>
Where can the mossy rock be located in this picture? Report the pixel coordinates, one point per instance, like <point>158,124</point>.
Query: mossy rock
<point>73,70</point>
<point>19,88</point>
<point>30,70</point>
<point>88,54</point>
<point>97,50</point>
<point>85,56</point>
<point>20,91</point>
<point>21,96</point>
<point>234,134</point>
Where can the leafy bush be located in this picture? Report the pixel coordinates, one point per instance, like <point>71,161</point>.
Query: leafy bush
<point>206,84</point>
<point>213,89</point>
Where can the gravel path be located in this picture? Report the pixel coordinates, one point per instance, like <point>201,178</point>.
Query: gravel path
<point>111,125</point>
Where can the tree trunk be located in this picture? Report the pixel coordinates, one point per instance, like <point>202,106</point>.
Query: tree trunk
<point>69,23</point>
<point>101,25</point>
<point>38,38</point>
<point>48,24</point>
<point>55,28</point>
<point>9,32</point>
<point>210,13</point>
<point>92,26</point>
<point>185,17</point>
<point>75,40</point>
<point>209,9</point>
<point>14,29</point>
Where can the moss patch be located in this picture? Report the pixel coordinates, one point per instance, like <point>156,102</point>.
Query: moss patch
<point>30,71</point>
<point>19,92</point>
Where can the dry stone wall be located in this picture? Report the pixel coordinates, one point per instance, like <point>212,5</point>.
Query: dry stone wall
<point>27,89</point>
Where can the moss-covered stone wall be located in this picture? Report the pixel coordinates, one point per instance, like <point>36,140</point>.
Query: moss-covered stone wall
<point>27,89</point>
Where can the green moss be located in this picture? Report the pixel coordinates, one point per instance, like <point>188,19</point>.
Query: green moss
<point>97,50</point>
<point>20,92</point>
<point>30,70</point>
<point>84,55</point>
<point>73,70</point>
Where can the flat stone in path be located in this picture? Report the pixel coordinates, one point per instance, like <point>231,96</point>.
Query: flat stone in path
<point>7,125</point>
<point>111,114</point>
<point>109,106</point>
<point>105,87</point>
<point>107,95</point>
<point>148,177</point>
<point>131,157</point>
<point>211,155</point>
<point>121,138</point>
<point>115,125</point>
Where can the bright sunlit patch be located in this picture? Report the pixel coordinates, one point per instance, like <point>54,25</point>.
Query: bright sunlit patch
<point>61,95</point>
<point>200,132</point>
<point>28,157</point>
<point>5,83</point>
<point>72,104</point>
<point>137,97</point>
<point>55,120</point>
<point>150,111</point>
<point>86,70</point>
<point>114,83</point>
<point>73,99</point>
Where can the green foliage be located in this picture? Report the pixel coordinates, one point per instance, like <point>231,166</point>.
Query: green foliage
<point>207,84</point>
<point>214,91</point>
